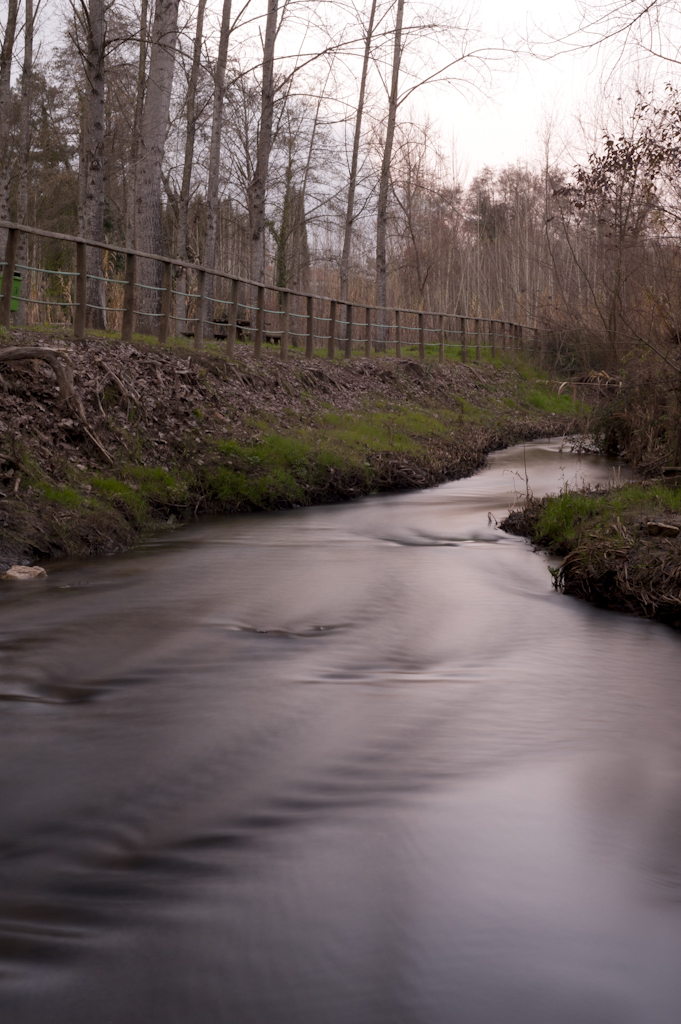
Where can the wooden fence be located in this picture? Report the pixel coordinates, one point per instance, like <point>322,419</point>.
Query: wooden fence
<point>299,318</point>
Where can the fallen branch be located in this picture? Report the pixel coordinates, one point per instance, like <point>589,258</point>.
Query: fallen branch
<point>63,374</point>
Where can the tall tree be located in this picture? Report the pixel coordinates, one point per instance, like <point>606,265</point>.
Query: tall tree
<point>92,19</point>
<point>213,188</point>
<point>25,145</point>
<point>131,189</point>
<point>384,179</point>
<point>190,139</point>
<point>352,183</point>
<point>153,133</point>
<point>6,54</point>
<point>258,185</point>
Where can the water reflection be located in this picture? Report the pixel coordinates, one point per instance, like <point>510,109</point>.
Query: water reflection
<point>349,764</point>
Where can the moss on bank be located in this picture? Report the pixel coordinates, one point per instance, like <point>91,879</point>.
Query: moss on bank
<point>170,434</point>
<point>611,558</point>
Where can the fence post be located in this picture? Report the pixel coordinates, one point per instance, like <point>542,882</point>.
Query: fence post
<point>477,340</point>
<point>398,335</point>
<point>367,340</point>
<point>422,339</point>
<point>284,332</point>
<point>8,274</point>
<point>309,348</point>
<point>462,320</point>
<point>332,329</point>
<point>442,339</point>
<point>259,322</point>
<point>348,337</point>
<point>129,297</point>
<point>233,317</point>
<point>81,291</point>
<point>166,297</point>
<point>198,321</point>
<point>521,340</point>
<point>493,338</point>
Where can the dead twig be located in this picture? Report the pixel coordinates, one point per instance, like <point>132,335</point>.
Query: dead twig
<point>96,441</point>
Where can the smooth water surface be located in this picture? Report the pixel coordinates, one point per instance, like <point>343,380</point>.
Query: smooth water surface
<point>357,764</point>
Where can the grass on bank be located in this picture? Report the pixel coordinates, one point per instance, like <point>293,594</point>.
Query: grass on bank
<point>216,347</point>
<point>292,459</point>
<point>569,519</point>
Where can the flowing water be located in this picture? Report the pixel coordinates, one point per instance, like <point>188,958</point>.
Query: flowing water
<point>357,764</point>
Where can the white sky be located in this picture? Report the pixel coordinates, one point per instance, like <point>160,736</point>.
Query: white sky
<point>509,126</point>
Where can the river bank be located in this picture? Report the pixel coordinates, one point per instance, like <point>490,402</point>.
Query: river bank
<point>134,436</point>
<point>622,545</point>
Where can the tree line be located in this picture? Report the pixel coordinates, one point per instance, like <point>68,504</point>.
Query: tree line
<point>282,140</point>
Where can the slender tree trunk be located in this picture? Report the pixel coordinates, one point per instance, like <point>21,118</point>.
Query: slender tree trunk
<point>352,185</point>
<point>5,96</point>
<point>94,126</point>
<point>214,162</point>
<point>25,152</point>
<point>384,180</point>
<point>130,224</point>
<point>258,186</point>
<point>153,132</point>
<point>185,190</point>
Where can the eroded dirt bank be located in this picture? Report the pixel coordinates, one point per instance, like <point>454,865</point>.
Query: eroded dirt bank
<point>153,436</point>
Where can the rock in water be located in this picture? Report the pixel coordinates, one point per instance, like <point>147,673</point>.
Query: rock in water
<point>23,572</point>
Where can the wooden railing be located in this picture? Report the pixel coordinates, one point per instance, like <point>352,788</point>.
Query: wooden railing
<point>393,328</point>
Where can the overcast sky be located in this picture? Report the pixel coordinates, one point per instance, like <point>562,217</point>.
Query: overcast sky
<point>510,126</point>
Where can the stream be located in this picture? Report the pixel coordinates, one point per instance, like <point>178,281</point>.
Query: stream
<point>352,764</point>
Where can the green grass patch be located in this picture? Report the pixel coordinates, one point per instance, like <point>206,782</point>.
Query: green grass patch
<point>65,496</point>
<point>566,519</point>
<point>549,401</point>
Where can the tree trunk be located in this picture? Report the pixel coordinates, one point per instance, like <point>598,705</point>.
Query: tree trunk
<point>153,133</point>
<point>25,153</point>
<point>352,185</point>
<point>384,181</point>
<point>131,191</point>
<point>258,186</point>
<point>214,162</point>
<point>185,190</point>
<point>5,96</point>
<point>94,122</point>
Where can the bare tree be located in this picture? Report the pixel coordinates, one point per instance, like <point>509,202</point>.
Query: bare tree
<point>185,188</point>
<point>258,185</point>
<point>6,54</point>
<point>140,92</point>
<point>352,183</point>
<point>153,134</point>
<point>25,146</point>
<point>384,179</point>
<point>90,19</point>
<point>212,191</point>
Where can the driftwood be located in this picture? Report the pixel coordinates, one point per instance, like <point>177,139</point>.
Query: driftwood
<point>64,374</point>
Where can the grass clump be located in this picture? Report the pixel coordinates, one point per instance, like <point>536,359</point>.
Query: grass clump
<point>65,496</point>
<point>563,522</point>
<point>549,401</point>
